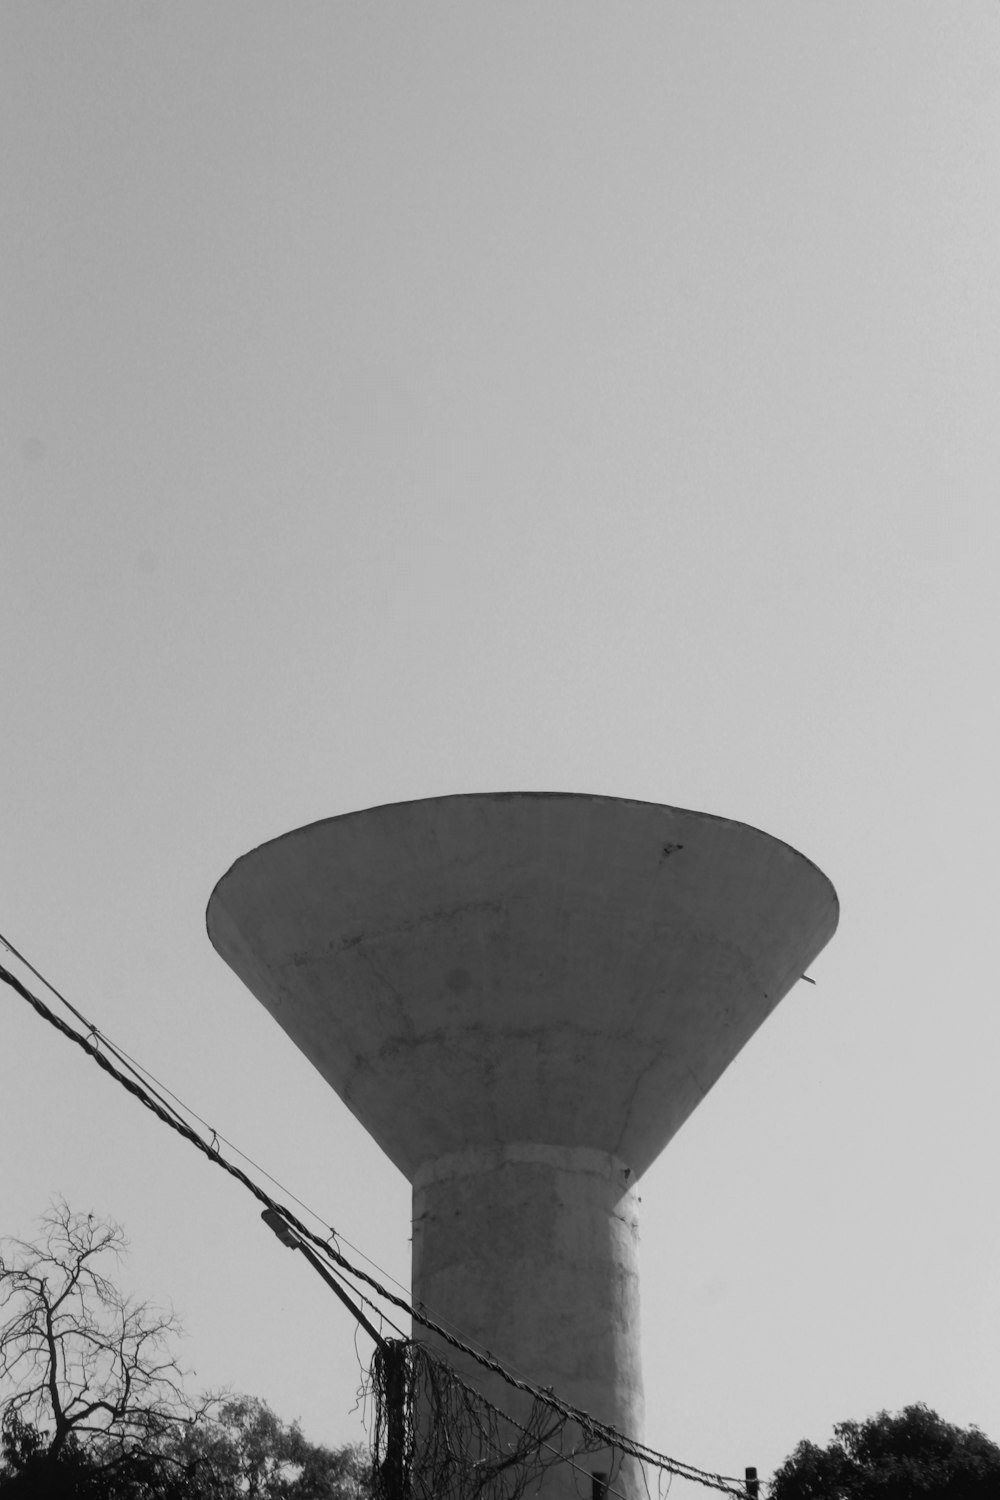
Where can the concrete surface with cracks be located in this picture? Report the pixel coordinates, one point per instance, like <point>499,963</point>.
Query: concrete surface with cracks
<point>522,996</point>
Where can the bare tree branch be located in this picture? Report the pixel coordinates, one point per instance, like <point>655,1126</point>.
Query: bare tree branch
<point>77,1356</point>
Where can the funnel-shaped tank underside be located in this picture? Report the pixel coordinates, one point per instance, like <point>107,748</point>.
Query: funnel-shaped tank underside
<point>574,970</point>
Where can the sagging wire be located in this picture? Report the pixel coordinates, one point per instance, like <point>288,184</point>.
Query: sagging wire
<point>450,1439</point>
<point>162,1093</point>
<point>611,1437</point>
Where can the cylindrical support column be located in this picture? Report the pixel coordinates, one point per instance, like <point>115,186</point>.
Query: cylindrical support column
<point>531,1252</point>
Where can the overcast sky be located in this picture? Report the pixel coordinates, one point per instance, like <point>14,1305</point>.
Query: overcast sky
<point>410,399</point>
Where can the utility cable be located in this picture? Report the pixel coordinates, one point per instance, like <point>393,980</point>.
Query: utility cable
<point>159,1090</point>
<point>542,1441</point>
<point>610,1436</point>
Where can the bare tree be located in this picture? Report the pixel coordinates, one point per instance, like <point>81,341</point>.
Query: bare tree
<point>83,1364</point>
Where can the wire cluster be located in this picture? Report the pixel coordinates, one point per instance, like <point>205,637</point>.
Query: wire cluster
<point>436,1438</point>
<point>439,1388</point>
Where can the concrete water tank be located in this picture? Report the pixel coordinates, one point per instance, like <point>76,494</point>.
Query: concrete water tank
<point>522,997</point>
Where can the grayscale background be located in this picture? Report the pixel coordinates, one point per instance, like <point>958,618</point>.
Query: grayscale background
<point>404,399</point>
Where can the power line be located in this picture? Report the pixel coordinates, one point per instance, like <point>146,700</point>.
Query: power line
<point>141,1073</point>
<point>610,1436</point>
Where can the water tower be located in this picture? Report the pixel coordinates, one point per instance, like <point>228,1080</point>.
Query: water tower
<point>522,997</point>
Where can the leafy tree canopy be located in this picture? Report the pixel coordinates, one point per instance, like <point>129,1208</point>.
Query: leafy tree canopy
<point>909,1455</point>
<point>241,1448</point>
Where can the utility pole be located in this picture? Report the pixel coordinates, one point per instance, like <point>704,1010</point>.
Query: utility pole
<point>394,1475</point>
<point>753,1484</point>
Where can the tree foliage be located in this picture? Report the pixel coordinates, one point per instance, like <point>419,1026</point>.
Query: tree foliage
<point>909,1455</point>
<point>93,1401</point>
<point>242,1449</point>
